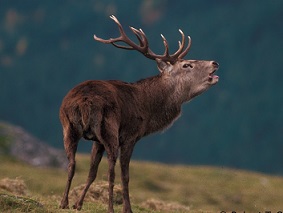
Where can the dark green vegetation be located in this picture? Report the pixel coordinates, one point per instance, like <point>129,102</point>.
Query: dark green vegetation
<point>47,47</point>
<point>167,188</point>
<point>16,203</point>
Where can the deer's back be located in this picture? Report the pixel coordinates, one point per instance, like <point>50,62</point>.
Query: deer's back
<point>91,102</point>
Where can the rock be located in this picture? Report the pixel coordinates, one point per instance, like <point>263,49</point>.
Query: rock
<point>162,206</point>
<point>16,186</point>
<point>98,192</point>
<point>15,141</point>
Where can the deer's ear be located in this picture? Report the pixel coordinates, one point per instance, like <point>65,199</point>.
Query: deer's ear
<point>163,66</point>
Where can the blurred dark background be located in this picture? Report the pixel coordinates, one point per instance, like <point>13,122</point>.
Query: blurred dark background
<point>47,47</point>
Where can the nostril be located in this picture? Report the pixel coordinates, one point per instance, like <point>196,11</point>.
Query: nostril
<point>215,64</point>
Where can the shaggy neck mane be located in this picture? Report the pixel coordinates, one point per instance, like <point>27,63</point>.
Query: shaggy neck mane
<point>158,95</point>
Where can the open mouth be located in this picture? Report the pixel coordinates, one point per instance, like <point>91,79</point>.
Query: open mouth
<point>213,77</point>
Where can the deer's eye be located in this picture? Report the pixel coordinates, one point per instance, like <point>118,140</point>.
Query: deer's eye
<point>187,65</point>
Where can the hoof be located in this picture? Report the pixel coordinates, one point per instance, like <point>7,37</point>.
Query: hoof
<point>64,206</point>
<point>77,207</point>
<point>110,210</point>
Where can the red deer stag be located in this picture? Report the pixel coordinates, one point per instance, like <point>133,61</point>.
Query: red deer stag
<point>115,114</point>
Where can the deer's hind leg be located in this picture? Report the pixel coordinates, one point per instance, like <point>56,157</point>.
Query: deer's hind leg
<point>96,155</point>
<point>71,140</point>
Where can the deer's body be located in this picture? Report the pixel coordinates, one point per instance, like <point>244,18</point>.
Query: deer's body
<point>116,114</point>
<point>143,107</point>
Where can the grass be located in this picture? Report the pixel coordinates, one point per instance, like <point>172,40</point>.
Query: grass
<point>153,188</point>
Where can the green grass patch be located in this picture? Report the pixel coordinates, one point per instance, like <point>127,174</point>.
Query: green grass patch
<point>153,188</point>
<point>10,203</point>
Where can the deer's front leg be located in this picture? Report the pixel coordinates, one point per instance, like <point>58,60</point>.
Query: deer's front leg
<point>111,145</point>
<point>111,179</point>
<point>125,156</point>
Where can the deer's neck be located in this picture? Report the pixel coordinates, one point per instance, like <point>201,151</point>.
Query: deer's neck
<point>160,101</point>
<point>161,92</point>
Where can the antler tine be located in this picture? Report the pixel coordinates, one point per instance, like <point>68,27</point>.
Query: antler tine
<point>181,45</point>
<point>145,41</point>
<point>140,35</point>
<point>144,48</point>
<point>122,37</point>
<point>111,40</point>
<point>119,25</point>
<point>122,46</point>
<point>149,53</point>
<point>166,52</point>
<point>184,53</point>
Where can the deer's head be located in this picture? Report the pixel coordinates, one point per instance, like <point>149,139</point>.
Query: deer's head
<point>189,77</point>
<point>193,76</point>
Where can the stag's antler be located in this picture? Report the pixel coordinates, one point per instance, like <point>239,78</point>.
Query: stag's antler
<point>143,44</point>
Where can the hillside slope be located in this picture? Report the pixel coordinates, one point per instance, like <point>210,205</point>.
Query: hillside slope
<point>200,189</point>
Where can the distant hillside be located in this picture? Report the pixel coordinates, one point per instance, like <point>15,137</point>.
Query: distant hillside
<point>47,47</point>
